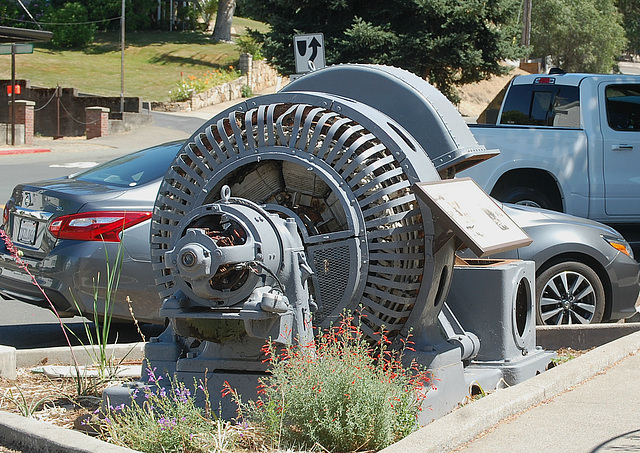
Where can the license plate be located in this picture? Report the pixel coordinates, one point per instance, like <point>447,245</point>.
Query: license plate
<point>27,231</point>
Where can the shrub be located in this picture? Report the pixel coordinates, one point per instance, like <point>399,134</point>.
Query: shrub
<point>246,91</point>
<point>342,394</point>
<point>248,44</point>
<point>70,27</point>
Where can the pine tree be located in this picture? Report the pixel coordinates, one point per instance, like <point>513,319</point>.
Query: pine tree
<point>447,42</point>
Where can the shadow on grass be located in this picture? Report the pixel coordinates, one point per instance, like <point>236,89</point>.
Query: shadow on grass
<point>168,58</point>
<point>105,42</point>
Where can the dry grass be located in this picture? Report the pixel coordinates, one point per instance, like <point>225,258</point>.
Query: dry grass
<point>53,401</point>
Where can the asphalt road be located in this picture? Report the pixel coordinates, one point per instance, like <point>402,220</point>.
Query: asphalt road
<point>25,326</point>
<point>628,67</point>
<point>78,153</point>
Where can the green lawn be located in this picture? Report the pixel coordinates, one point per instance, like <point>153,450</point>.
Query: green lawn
<point>153,62</point>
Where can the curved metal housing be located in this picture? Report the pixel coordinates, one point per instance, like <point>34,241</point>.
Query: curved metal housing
<point>411,101</point>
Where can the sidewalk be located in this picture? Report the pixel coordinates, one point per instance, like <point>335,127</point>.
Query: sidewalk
<point>589,404</point>
<point>601,414</point>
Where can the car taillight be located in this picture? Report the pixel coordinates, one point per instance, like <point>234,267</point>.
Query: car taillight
<point>96,226</point>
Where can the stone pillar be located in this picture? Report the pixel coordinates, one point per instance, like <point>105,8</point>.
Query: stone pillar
<point>24,116</point>
<point>246,67</point>
<point>97,119</point>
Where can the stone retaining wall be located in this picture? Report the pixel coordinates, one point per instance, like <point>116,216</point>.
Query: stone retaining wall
<point>259,75</point>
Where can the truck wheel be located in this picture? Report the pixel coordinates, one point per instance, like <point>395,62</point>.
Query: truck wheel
<point>569,293</point>
<point>526,196</point>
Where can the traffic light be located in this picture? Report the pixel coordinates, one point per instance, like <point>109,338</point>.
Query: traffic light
<point>14,88</point>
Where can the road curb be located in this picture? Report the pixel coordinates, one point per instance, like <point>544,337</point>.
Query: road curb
<point>582,338</point>
<point>6,152</point>
<point>84,354</point>
<point>467,422</point>
<point>12,358</point>
<point>36,436</point>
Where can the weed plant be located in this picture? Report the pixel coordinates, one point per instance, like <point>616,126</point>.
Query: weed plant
<point>341,394</point>
<point>167,420</point>
<point>27,408</point>
<point>98,337</point>
<point>190,85</point>
<point>86,386</point>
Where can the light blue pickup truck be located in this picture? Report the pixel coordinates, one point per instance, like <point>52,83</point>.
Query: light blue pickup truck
<point>568,142</point>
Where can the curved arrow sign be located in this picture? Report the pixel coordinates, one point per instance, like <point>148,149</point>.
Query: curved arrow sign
<point>309,52</point>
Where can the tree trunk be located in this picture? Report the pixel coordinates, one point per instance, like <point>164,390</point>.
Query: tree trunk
<point>224,19</point>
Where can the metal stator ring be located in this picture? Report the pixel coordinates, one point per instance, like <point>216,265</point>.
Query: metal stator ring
<point>343,170</point>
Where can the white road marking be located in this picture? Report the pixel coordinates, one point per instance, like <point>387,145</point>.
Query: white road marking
<point>75,165</point>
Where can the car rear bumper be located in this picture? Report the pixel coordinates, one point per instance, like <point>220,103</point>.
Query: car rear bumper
<point>70,277</point>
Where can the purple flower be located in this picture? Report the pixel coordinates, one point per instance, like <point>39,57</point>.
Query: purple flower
<point>167,423</point>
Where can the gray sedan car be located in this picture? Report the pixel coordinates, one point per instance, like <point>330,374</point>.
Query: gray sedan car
<point>65,228</point>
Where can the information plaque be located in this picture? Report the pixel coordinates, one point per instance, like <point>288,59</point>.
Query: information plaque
<point>474,217</point>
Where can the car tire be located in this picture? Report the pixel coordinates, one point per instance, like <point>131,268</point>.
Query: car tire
<point>569,293</point>
<point>526,196</point>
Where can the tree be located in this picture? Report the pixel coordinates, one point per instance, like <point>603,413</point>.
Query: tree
<point>224,20</point>
<point>71,27</point>
<point>630,10</point>
<point>579,36</point>
<point>448,42</point>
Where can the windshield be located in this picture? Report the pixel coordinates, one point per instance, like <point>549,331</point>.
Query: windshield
<point>133,169</point>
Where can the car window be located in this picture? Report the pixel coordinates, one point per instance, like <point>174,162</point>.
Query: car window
<point>623,107</point>
<point>542,105</point>
<point>133,169</point>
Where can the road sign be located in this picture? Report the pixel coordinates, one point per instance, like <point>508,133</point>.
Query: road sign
<point>5,49</point>
<point>309,52</point>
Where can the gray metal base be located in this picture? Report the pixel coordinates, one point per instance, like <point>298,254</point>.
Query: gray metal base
<point>515,371</point>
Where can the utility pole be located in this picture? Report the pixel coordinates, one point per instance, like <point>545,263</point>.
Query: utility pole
<point>122,59</point>
<point>526,22</point>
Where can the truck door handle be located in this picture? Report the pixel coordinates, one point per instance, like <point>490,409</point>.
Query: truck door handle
<point>622,147</point>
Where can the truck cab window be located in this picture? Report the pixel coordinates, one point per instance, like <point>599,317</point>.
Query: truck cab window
<point>623,107</point>
<point>542,105</point>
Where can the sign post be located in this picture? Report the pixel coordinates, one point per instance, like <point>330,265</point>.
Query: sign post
<point>13,95</point>
<point>14,49</point>
<point>309,52</point>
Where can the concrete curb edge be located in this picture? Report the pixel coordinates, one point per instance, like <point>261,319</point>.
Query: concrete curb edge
<point>36,436</point>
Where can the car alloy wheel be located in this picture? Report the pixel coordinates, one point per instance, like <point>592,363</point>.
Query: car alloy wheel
<point>569,293</point>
